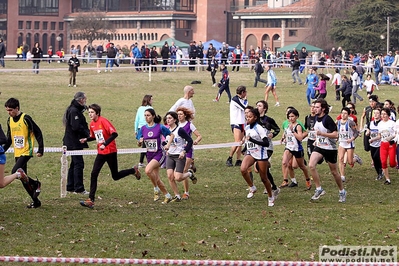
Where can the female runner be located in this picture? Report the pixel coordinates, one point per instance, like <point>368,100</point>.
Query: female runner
<point>293,136</point>
<point>176,158</point>
<point>151,134</point>
<point>256,141</point>
<point>375,143</point>
<point>185,116</point>
<point>347,133</point>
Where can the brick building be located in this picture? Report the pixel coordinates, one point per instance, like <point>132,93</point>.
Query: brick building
<point>242,22</point>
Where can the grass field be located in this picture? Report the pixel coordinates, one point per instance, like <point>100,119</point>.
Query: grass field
<point>217,222</point>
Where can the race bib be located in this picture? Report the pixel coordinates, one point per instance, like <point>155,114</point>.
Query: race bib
<point>343,136</point>
<point>152,145</point>
<point>322,141</point>
<point>312,135</point>
<point>19,142</point>
<point>99,136</point>
<point>373,134</point>
<point>251,146</point>
<point>385,134</point>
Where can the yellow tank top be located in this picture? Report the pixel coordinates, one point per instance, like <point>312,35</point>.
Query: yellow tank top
<point>22,137</point>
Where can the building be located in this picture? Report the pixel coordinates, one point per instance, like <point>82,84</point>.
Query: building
<point>275,23</point>
<point>234,21</point>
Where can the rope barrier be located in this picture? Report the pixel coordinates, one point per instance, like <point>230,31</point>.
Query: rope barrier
<point>180,262</point>
<point>138,150</point>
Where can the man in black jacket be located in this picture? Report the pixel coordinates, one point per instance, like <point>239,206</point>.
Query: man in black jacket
<point>111,54</point>
<point>76,128</point>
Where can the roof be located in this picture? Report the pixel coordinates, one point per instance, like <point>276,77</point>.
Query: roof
<point>302,6</point>
<point>170,40</point>
<point>299,45</point>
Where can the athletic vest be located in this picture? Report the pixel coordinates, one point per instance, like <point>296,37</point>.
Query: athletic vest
<point>344,134</point>
<point>321,141</point>
<point>22,137</point>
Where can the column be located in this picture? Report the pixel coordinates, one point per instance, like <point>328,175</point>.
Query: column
<point>172,29</point>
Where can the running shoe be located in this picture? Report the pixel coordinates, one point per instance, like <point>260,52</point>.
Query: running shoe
<point>275,193</point>
<point>37,186</point>
<point>308,185</point>
<point>238,163</point>
<point>342,196</point>
<point>380,176</point>
<point>87,203</point>
<point>166,200</point>
<point>318,194</point>
<point>358,159</point>
<point>192,176</point>
<point>156,195</point>
<point>251,193</point>
<point>185,196</point>
<point>343,178</point>
<point>277,104</point>
<point>293,184</point>
<point>229,162</point>
<point>192,166</point>
<point>387,182</point>
<point>141,165</point>
<point>137,173</point>
<point>284,184</point>
<point>84,192</point>
<point>270,202</point>
<point>34,205</point>
<point>22,176</point>
<point>176,199</point>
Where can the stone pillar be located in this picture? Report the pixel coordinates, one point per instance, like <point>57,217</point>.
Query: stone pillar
<point>138,31</point>
<point>173,29</point>
<point>282,42</point>
<point>242,35</point>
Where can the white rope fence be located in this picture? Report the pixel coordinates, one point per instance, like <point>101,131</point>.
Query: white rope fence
<point>181,262</point>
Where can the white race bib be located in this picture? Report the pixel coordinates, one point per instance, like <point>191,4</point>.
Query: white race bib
<point>19,142</point>
<point>152,145</point>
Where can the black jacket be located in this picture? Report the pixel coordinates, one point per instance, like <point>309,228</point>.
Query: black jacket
<point>73,62</point>
<point>76,127</point>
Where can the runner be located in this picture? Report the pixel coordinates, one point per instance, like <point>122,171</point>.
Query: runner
<point>256,140</point>
<point>375,143</point>
<point>347,133</point>
<point>105,134</point>
<point>325,146</point>
<point>150,134</point>
<point>293,136</point>
<point>176,158</point>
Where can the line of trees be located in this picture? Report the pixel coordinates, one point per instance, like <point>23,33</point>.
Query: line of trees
<point>356,25</point>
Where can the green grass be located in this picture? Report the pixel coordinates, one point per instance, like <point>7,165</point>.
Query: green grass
<point>218,222</point>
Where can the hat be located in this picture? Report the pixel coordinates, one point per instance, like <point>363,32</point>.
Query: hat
<point>373,98</point>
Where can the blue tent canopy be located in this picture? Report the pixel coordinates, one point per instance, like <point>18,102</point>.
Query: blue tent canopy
<point>216,44</point>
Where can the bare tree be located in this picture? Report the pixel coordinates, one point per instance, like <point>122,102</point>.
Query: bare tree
<point>92,26</point>
<point>325,13</point>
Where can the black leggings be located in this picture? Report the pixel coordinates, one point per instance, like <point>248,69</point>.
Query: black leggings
<point>375,155</point>
<point>346,99</point>
<point>112,161</point>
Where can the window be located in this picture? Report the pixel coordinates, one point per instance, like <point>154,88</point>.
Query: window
<point>45,25</point>
<point>182,24</point>
<point>52,25</point>
<point>20,25</point>
<point>38,7</point>
<point>296,23</point>
<point>293,33</point>
<point>263,23</point>
<point>87,5</point>
<point>3,6</point>
<point>28,25</point>
<point>154,24</point>
<point>61,25</point>
<point>37,25</point>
